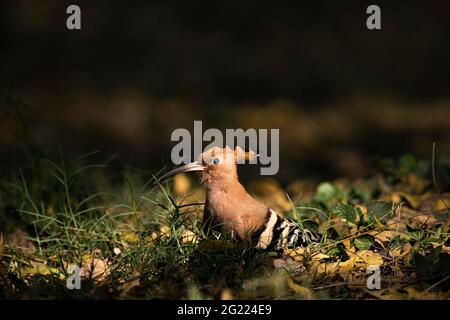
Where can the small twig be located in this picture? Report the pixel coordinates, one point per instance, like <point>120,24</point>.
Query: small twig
<point>438,283</point>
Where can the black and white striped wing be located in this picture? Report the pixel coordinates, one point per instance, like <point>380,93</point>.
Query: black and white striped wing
<point>281,233</point>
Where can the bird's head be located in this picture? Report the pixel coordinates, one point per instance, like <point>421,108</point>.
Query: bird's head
<point>216,164</point>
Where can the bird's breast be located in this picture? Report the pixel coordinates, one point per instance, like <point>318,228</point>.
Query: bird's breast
<point>235,210</point>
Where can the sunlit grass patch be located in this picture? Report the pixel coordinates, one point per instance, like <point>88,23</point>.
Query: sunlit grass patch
<point>132,239</point>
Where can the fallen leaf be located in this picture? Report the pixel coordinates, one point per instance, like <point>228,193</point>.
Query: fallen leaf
<point>39,268</point>
<point>289,264</point>
<point>189,236</point>
<point>164,229</point>
<point>349,248</point>
<point>226,294</point>
<point>295,253</point>
<point>130,284</point>
<point>365,258</point>
<point>180,184</point>
<point>413,200</point>
<point>94,268</point>
<point>303,292</point>
<point>387,235</point>
<point>441,204</point>
<point>129,237</point>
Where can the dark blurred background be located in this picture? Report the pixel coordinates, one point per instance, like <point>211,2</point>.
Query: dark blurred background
<point>343,96</point>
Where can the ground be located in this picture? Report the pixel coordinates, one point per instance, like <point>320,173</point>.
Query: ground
<point>134,240</point>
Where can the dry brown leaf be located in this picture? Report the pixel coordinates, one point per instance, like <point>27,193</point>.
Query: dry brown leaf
<point>94,268</point>
<point>289,264</point>
<point>130,284</point>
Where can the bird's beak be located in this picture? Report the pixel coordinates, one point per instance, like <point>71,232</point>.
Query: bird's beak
<point>193,166</point>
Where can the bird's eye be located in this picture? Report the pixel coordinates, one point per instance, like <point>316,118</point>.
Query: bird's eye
<point>216,161</point>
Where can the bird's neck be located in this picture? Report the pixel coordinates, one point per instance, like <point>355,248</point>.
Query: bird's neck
<point>223,184</point>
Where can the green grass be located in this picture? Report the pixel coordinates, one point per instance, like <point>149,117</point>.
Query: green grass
<point>82,212</point>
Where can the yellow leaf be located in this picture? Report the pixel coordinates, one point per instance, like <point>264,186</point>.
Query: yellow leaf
<point>360,260</point>
<point>363,208</point>
<point>42,269</point>
<point>129,237</point>
<point>441,204</point>
<point>348,246</point>
<point>396,252</point>
<point>226,294</point>
<point>326,268</point>
<point>365,258</point>
<point>347,266</point>
<point>296,253</point>
<point>444,248</point>
<point>302,291</point>
<point>181,184</point>
<point>395,197</point>
<point>188,236</point>
<point>387,235</point>
<point>164,229</point>
<point>318,257</point>
<point>152,237</point>
<point>413,201</point>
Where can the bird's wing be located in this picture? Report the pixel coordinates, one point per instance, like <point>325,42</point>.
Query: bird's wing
<point>283,233</point>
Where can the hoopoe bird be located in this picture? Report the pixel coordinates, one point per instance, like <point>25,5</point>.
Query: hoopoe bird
<point>229,206</point>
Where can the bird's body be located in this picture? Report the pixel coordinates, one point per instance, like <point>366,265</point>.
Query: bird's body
<point>229,206</point>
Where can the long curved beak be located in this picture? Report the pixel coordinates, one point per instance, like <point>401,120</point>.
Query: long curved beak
<point>193,166</point>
